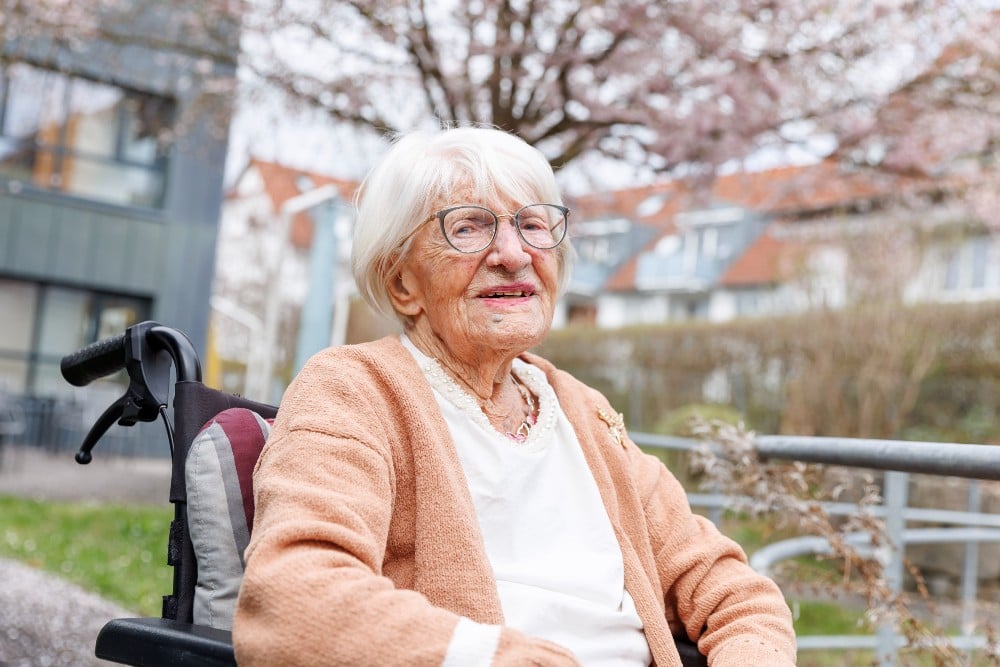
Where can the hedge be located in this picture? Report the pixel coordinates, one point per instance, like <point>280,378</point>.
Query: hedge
<point>927,372</point>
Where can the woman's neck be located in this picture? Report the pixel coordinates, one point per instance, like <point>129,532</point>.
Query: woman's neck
<point>485,373</point>
<point>507,404</point>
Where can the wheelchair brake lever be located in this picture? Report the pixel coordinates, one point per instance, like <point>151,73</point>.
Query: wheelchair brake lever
<point>112,414</point>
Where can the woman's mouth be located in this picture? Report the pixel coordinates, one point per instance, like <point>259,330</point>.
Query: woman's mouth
<point>520,294</point>
<point>513,291</point>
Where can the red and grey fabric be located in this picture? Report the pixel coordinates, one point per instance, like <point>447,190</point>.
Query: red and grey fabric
<point>219,478</point>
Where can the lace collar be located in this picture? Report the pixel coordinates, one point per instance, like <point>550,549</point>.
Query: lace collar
<point>527,374</point>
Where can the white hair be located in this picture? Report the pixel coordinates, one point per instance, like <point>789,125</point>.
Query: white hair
<point>419,171</point>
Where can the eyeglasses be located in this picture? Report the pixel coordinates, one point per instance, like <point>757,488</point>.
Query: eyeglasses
<point>469,228</point>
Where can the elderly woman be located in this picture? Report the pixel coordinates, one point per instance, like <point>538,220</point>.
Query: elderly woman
<point>444,497</point>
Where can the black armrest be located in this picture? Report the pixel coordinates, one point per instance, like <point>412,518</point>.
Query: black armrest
<point>690,657</point>
<point>160,642</point>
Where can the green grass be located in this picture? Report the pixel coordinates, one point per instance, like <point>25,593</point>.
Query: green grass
<point>119,552</point>
<point>116,551</point>
<point>811,617</point>
<point>827,618</point>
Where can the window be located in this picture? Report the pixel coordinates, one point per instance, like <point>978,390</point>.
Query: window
<point>980,251</point>
<point>690,252</point>
<point>581,313</point>
<point>952,270</point>
<point>747,302</point>
<point>83,137</point>
<point>727,241</point>
<point>18,302</point>
<point>709,242</point>
<point>972,267</point>
<point>754,302</point>
<point>596,250</point>
<point>48,322</point>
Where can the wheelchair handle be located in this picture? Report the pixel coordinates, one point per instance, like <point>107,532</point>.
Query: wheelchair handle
<point>138,342</point>
<point>146,351</point>
<point>94,361</point>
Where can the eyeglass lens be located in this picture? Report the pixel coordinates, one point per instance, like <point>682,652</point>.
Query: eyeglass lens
<point>471,228</point>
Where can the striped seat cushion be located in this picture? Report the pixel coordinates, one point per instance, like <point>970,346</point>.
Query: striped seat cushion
<point>219,477</point>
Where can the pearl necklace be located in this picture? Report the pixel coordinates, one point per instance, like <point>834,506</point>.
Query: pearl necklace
<point>543,418</point>
<point>520,434</point>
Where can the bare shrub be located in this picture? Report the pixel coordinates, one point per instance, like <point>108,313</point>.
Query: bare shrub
<point>794,494</point>
<point>876,371</point>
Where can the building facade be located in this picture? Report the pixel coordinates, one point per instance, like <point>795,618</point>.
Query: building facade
<point>775,242</point>
<point>283,287</point>
<point>112,151</point>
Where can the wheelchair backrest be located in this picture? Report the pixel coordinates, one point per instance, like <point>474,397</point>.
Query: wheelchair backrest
<point>203,415</point>
<point>220,508</point>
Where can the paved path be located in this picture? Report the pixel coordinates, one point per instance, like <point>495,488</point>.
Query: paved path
<point>32,473</point>
<point>45,621</point>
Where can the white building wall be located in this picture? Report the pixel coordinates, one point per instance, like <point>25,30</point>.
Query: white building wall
<point>929,279</point>
<point>825,279</point>
<point>649,309</point>
<point>559,316</point>
<point>611,311</point>
<point>721,305</point>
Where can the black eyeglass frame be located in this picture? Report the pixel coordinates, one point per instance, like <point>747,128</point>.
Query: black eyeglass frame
<point>515,218</point>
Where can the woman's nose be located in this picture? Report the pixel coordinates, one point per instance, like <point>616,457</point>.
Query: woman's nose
<point>508,249</point>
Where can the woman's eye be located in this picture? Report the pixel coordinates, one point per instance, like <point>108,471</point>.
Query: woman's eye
<point>463,228</point>
<point>533,224</point>
<point>471,225</point>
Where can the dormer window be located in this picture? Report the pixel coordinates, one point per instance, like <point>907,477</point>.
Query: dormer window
<point>668,245</point>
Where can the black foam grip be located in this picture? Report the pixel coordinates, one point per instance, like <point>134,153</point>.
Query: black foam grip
<point>94,361</point>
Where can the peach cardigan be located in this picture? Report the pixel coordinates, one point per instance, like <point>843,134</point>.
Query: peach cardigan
<point>366,548</point>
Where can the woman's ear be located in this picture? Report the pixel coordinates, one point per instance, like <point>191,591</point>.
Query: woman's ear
<point>405,298</point>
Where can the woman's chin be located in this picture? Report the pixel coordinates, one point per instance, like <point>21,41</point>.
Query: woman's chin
<point>517,328</point>
<point>532,305</point>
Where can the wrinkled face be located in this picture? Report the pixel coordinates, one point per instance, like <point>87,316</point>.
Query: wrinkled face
<point>500,299</point>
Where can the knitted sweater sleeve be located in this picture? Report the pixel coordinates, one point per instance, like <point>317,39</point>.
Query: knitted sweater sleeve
<point>737,616</point>
<point>314,591</point>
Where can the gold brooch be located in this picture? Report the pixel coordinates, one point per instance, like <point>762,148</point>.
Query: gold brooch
<point>616,425</point>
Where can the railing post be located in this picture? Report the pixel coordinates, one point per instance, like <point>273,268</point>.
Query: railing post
<point>896,492</point>
<point>970,569</point>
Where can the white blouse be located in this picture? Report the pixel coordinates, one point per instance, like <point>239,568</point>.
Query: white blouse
<point>557,563</point>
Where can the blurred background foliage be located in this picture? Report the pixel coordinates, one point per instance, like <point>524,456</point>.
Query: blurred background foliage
<point>928,372</point>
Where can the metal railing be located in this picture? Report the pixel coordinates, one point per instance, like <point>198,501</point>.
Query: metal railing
<point>58,426</point>
<point>899,459</point>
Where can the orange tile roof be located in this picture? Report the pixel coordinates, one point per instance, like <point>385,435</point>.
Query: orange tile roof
<point>787,191</point>
<point>799,188</point>
<point>782,189</point>
<point>631,203</point>
<point>282,183</point>
<point>767,261</point>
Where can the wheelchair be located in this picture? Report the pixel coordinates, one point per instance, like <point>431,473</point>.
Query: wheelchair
<point>158,361</point>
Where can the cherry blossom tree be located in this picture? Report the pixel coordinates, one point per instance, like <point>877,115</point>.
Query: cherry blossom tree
<point>41,29</point>
<point>906,86</point>
<point>670,86</point>
<point>943,123</point>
